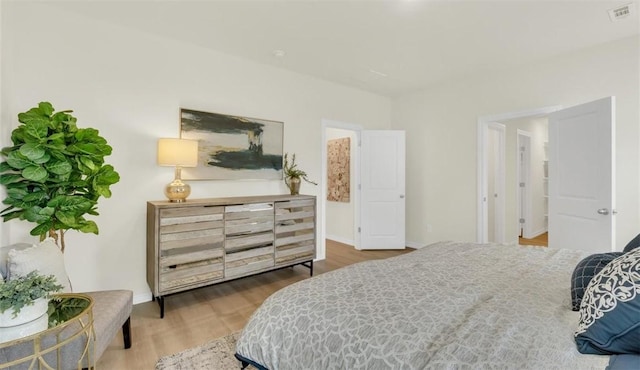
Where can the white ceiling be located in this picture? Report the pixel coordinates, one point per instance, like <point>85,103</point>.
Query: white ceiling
<point>414,43</point>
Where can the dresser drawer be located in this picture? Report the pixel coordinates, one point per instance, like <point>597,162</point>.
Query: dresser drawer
<point>248,261</point>
<point>185,270</point>
<point>189,227</point>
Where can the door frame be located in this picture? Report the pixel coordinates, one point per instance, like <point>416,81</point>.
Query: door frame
<point>523,174</point>
<point>482,155</point>
<point>322,229</point>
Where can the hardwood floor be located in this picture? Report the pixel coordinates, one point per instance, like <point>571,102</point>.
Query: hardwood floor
<point>540,240</point>
<point>195,317</point>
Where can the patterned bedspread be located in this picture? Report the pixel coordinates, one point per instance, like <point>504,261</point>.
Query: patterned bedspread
<point>445,306</point>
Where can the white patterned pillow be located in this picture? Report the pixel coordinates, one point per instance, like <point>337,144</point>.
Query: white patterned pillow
<point>610,309</point>
<point>45,257</point>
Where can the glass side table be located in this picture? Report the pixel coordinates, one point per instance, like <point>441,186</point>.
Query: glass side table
<point>69,339</point>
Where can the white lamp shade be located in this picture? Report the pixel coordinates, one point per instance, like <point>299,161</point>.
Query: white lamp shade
<point>178,152</point>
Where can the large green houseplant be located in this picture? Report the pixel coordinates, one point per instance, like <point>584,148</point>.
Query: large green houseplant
<point>54,173</point>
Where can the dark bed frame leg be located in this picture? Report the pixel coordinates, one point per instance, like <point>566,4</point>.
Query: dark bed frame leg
<point>243,363</point>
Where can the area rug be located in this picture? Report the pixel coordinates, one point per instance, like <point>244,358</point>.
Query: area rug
<point>216,355</point>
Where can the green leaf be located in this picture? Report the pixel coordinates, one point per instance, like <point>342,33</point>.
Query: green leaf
<point>59,167</point>
<point>4,167</point>
<point>10,178</point>
<point>87,134</point>
<point>42,160</point>
<point>32,151</point>
<point>41,229</point>
<point>33,215</point>
<point>37,130</point>
<point>89,227</point>
<point>18,161</point>
<point>68,218</point>
<point>86,148</point>
<point>17,193</point>
<point>36,196</point>
<point>33,116</point>
<point>47,211</point>
<point>57,137</point>
<point>64,121</point>
<point>46,108</point>
<point>87,162</point>
<point>103,190</point>
<point>71,203</point>
<point>35,173</point>
<point>107,176</point>
<point>11,215</point>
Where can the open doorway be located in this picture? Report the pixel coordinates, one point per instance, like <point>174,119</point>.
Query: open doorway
<point>341,217</point>
<point>525,196</point>
<point>339,180</point>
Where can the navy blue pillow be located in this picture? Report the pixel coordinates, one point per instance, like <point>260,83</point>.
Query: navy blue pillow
<point>633,244</point>
<point>610,309</point>
<point>583,273</point>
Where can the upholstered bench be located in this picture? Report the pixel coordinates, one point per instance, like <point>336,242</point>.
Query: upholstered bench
<point>111,309</point>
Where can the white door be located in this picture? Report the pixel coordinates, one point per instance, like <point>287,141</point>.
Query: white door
<point>496,179</point>
<point>383,190</point>
<point>581,177</point>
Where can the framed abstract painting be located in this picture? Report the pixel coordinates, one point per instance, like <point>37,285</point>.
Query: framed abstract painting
<point>233,147</point>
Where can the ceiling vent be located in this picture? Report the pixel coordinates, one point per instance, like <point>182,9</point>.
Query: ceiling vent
<point>620,12</point>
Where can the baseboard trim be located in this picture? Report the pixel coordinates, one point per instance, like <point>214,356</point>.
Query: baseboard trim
<point>410,244</point>
<point>142,298</point>
<point>340,239</point>
<point>536,233</point>
<point>414,245</point>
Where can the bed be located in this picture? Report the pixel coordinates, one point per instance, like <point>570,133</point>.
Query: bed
<point>446,306</point>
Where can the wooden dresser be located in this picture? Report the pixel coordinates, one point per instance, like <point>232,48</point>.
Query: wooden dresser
<point>208,241</point>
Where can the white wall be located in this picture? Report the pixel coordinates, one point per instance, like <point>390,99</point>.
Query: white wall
<point>130,85</point>
<point>441,133</point>
<point>340,215</point>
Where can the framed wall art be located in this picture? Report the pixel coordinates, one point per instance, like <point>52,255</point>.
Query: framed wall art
<point>338,170</point>
<point>233,147</point>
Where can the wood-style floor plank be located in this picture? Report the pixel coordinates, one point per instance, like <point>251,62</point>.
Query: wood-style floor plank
<point>197,316</point>
<point>541,240</point>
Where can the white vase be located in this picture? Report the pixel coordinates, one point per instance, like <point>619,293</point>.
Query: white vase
<point>30,320</point>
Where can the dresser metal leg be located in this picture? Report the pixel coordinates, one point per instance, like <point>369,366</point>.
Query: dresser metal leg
<point>160,300</point>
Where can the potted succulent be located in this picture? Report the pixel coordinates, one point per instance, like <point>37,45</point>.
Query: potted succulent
<point>55,173</point>
<point>25,298</point>
<point>293,175</point>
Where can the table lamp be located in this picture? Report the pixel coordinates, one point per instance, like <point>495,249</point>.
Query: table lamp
<point>179,153</point>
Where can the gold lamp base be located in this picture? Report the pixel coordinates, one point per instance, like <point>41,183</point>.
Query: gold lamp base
<point>177,191</point>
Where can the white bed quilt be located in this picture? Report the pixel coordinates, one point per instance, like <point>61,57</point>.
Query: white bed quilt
<point>446,306</point>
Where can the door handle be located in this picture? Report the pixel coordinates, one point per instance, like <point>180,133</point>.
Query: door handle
<point>603,211</point>
<point>401,196</point>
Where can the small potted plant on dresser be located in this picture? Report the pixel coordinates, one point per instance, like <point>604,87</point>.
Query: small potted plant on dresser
<point>24,303</point>
<point>293,176</point>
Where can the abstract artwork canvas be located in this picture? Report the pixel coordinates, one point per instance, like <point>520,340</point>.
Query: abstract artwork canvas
<point>338,170</point>
<point>232,147</point>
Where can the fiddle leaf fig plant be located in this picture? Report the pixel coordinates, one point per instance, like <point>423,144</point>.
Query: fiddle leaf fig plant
<point>55,173</point>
